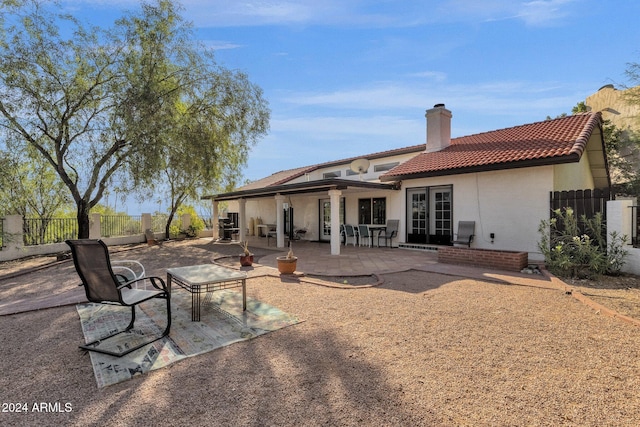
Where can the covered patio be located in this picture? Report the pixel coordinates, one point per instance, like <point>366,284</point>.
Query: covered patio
<point>335,188</point>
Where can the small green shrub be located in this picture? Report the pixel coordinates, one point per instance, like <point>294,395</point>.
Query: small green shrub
<point>569,252</point>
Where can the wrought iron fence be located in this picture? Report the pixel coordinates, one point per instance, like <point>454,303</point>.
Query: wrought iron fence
<point>40,231</point>
<point>1,233</point>
<point>158,222</point>
<point>120,225</point>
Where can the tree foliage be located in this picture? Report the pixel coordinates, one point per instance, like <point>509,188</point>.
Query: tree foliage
<point>29,186</point>
<point>100,104</point>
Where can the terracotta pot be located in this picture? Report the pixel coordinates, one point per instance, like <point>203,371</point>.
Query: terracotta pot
<point>287,265</point>
<point>246,260</point>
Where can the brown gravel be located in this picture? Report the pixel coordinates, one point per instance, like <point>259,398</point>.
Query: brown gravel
<point>619,293</point>
<point>420,349</point>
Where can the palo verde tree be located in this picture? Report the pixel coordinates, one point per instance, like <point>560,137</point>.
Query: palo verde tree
<point>95,103</point>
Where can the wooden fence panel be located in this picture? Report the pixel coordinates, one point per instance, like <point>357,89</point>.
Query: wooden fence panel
<point>583,202</point>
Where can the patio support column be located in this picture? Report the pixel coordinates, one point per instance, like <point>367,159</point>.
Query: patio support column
<point>335,221</point>
<point>242,223</point>
<point>280,220</point>
<point>214,219</point>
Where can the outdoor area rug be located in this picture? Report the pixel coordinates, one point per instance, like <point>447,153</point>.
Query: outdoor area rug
<point>222,323</point>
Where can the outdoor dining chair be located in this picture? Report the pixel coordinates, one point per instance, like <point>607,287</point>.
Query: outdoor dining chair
<point>389,232</point>
<point>350,233</point>
<point>103,286</point>
<point>466,230</point>
<point>364,233</point>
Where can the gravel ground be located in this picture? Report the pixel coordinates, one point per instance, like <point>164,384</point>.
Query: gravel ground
<point>420,349</point>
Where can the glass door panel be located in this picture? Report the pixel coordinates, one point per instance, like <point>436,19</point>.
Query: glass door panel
<point>417,219</point>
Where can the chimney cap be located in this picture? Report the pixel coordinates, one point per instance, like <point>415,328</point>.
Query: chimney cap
<point>438,106</point>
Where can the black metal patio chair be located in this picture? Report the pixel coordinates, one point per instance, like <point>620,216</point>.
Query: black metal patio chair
<point>103,286</point>
<point>389,232</point>
<point>466,232</point>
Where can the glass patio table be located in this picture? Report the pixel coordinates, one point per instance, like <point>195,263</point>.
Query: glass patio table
<point>206,278</point>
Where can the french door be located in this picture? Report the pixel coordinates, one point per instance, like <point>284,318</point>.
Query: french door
<point>429,215</point>
<point>440,229</point>
<point>325,218</point>
<point>417,225</point>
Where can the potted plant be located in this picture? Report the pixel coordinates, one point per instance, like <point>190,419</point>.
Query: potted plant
<point>246,257</point>
<point>287,264</point>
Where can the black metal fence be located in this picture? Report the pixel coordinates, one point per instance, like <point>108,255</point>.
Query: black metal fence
<point>120,225</point>
<point>39,231</point>
<point>1,233</point>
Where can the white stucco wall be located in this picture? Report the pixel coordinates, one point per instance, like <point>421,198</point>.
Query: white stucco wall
<point>343,169</point>
<point>620,219</point>
<point>573,176</point>
<point>508,203</point>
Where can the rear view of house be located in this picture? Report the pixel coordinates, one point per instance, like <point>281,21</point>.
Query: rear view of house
<point>500,181</point>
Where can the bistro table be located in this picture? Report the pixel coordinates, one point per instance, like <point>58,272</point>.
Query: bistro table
<point>376,229</point>
<point>206,278</point>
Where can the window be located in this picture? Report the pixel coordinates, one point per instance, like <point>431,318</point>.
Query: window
<point>333,174</point>
<point>385,167</point>
<point>372,211</point>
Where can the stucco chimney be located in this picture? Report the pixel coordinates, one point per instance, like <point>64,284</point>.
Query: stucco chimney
<point>438,128</point>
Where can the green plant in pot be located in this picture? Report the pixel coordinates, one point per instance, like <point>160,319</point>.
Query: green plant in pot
<point>287,264</point>
<point>246,257</point>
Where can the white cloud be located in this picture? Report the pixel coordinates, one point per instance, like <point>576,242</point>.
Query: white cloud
<point>544,12</point>
<point>219,13</point>
<point>503,97</point>
<point>437,76</point>
<point>221,44</point>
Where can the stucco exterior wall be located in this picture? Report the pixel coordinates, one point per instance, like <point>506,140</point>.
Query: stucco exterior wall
<point>573,176</point>
<point>510,204</point>
<point>345,173</point>
<point>620,219</point>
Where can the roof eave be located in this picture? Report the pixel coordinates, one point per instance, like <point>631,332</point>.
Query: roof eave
<point>571,158</point>
<point>302,187</point>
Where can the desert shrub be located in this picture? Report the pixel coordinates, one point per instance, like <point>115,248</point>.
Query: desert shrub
<point>571,252</point>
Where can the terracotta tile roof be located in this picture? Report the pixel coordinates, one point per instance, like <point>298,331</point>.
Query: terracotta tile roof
<point>551,141</point>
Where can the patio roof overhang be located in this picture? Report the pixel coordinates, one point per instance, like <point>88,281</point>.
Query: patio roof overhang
<point>308,187</point>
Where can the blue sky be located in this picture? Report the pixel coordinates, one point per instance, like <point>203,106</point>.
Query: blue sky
<point>349,77</point>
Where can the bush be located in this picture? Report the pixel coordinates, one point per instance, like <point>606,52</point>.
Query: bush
<point>569,252</point>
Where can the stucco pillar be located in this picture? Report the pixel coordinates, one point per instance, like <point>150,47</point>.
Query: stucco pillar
<point>146,222</point>
<point>335,221</point>
<point>280,220</point>
<point>242,220</point>
<point>214,219</point>
<point>620,218</point>
<point>13,232</point>
<point>186,221</point>
<point>94,226</point>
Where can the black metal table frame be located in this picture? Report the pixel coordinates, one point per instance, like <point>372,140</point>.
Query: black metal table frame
<point>197,289</point>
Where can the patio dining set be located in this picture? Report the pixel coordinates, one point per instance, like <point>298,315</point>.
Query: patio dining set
<point>364,234</point>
